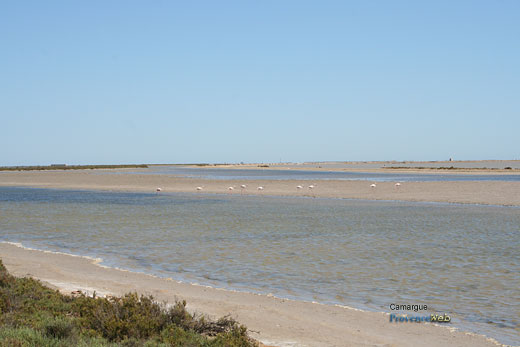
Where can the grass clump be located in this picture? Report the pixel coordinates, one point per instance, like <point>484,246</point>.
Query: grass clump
<point>32,314</point>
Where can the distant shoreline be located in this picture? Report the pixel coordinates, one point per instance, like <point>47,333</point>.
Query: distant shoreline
<point>399,169</point>
<point>505,167</point>
<point>71,167</point>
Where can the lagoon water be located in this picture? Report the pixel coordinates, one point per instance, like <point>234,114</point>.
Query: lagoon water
<point>276,174</point>
<point>458,259</point>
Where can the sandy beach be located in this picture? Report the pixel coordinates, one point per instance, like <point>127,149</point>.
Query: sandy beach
<point>471,192</point>
<point>271,320</point>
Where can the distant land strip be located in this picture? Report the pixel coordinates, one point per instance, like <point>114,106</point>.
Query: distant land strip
<point>443,168</point>
<point>70,167</point>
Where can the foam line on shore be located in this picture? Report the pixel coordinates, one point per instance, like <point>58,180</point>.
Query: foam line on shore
<point>95,261</point>
<point>98,262</point>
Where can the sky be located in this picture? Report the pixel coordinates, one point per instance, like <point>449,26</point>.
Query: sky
<point>112,82</point>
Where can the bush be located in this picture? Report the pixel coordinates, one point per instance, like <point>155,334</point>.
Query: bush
<point>59,328</point>
<point>35,315</point>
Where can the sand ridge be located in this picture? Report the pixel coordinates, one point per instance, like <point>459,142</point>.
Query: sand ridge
<point>505,193</point>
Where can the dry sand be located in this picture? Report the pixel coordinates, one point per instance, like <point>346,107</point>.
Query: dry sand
<point>271,320</point>
<point>474,192</point>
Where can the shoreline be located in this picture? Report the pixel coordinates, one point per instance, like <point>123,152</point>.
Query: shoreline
<point>503,193</point>
<point>466,167</point>
<point>389,169</point>
<point>271,320</point>
<point>247,195</point>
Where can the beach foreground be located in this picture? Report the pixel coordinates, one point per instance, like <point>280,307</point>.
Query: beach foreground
<point>472,192</point>
<point>271,320</point>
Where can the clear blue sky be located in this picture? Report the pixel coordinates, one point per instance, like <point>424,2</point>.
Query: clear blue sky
<point>258,81</point>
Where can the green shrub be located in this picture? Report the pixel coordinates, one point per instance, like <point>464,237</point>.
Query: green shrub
<point>32,314</point>
<point>59,328</point>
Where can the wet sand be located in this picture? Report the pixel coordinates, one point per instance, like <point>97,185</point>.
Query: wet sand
<point>270,320</point>
<point>473,192</point>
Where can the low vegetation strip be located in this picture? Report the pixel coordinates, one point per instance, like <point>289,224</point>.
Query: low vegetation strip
<point>35,315</point>
<point>71,167</point>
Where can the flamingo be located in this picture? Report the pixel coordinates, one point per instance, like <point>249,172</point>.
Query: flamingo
<point>397,185</point>
<point>311,187</point>
<point>242,188</point>
<point>260,188</point>
<point>373,185</point>
<point>157,190</point>
<point>299,187</point>
<point>230,189</point>
<point>199,188</point>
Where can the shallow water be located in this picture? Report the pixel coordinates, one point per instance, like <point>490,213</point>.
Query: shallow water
<point>458,259</point>
<point>273,174</point>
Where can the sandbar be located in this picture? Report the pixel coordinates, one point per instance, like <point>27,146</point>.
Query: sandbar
<point>505,193</point>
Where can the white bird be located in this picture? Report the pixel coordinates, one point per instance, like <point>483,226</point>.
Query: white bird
<point>299,187</point>
<point>312,186</point>
<point>158,190</point>
<point>373,185</point>
<point>260,188</point>
<point>230,188</point>
<point>243,186</point>
<point>199,188</point>
<point>398,185</point>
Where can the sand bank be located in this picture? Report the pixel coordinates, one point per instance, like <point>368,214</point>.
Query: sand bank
<point>271,320</point>
<point>474,192</point>
<point>480,167</point>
